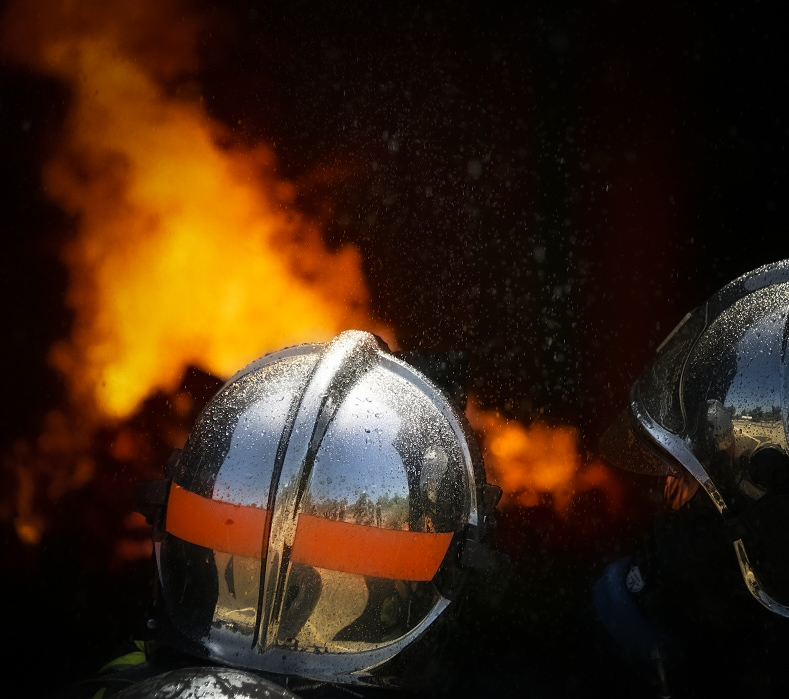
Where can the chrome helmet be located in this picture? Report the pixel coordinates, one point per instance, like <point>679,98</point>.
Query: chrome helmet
<point>322,515</point>
<point>205,683</point>
<point>711,413</point>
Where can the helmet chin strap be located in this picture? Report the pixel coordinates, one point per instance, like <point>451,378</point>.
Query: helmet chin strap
<point>150,497</point>
<point>477,553</point>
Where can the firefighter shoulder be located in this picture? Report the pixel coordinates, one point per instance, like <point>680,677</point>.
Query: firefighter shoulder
<point>707,429</point>
<point>321,521</point>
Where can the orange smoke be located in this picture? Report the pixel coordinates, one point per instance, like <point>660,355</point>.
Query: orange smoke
<point>189,250</point>
<point>539,464</point>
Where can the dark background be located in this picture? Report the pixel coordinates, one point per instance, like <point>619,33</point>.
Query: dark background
<point>549,187</point>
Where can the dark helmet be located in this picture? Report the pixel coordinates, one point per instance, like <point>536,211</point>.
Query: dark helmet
<point>322,515</point>
<point>712,409</point>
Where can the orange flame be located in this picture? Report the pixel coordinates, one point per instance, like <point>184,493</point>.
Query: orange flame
<point>189,251</point>
<point>539,464</point>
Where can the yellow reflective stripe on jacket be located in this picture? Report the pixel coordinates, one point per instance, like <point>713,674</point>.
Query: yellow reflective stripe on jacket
<point>99,694</point>
<point>135,657</point>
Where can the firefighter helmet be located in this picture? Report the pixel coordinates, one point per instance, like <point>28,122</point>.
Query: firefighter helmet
<point>205,683</point>
<point>712,410</point>
<point>322,515</point>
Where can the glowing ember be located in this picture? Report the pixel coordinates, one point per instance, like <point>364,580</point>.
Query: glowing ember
<point>182,252</point>
<point>539,464</point>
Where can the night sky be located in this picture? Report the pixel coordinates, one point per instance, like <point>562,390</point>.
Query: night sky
<point>549,187</point>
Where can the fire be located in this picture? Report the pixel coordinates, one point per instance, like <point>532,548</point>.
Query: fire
<point>539,464</point>
<point>189,250</point>
<point>59,463</point>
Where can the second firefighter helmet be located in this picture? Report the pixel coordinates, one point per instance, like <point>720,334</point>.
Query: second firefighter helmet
<point>204,683</point>
<point>321,515</point>
<point>711,411</point>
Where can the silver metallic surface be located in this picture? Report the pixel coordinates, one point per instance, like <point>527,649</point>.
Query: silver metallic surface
<point>753,583</point>
<point>343,363</point>
<point>342,432</point>
<point>679,449</point>
<point>732,391</point>
<point>206,683</point>
<point>715,396</point>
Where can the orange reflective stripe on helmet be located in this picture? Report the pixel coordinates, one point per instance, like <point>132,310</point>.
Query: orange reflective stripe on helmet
<point>216,525</point>
<point>324,543</point>
<point>379,553</point>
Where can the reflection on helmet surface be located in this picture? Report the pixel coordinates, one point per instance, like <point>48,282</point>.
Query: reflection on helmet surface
<point>371,462</point>
<point>237,600</point>
<point>732,392</point>
<point>313,519</point>
<point>332,611</point>
<point>714,406</point>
